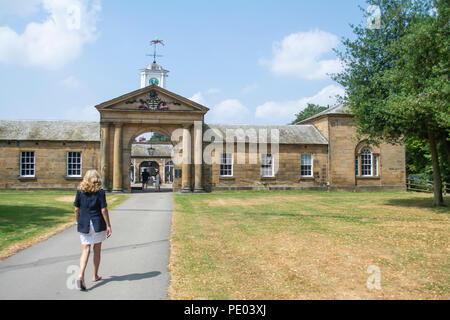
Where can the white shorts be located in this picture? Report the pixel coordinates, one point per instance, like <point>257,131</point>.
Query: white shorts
<point>92,237</point>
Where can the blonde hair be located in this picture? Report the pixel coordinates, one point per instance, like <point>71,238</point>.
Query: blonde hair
<point>92,182</point>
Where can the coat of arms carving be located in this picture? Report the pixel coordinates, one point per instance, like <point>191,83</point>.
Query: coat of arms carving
<point>153,103</point>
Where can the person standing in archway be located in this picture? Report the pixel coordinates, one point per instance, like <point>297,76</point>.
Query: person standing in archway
<point>145,177</point>
<point>157,181</point>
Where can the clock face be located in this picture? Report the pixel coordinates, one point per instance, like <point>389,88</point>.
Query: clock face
<point>154,81</point>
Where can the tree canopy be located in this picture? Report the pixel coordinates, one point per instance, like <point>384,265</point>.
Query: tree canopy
<point>308,112</point>
<point>396,77</point>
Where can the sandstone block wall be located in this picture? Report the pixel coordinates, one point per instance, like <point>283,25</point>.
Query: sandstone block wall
<point>50,163</point>
<point>340,131</point>
<point>248,175</point>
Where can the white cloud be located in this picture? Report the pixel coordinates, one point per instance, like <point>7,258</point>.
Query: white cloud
<point>198,97</point>
<point>229,111</point>
<point>250,88</point>
<point>301,54</point>
<point>70,82</point>
<point>88,113</point>
<point>56,41</point>
<point>212,91</point>
<point>283,112</point>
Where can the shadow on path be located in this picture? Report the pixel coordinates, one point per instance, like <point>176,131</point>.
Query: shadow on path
<point>127,277</point>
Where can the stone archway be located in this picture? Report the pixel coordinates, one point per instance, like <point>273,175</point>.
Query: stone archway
<point>124,118</point>
<point>151,166</point>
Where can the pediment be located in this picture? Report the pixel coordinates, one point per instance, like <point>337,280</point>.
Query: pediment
<point>151,99</point>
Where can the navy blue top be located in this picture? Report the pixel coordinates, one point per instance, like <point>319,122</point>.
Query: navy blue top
<point>91,205</point>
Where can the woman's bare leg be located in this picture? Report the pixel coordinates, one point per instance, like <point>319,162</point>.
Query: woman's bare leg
<point>85,250</point>
<point>97,255</point>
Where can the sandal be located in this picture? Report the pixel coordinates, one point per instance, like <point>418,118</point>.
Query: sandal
<point>80,285</point>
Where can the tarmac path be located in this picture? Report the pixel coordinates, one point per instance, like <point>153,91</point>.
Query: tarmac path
<point>134,261</point>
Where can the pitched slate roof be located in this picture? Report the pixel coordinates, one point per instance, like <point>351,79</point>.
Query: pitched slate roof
<point>288,134</point>
<point>49,130</point>
<point>338,109</point>
<point>161,150</point>
<point>90,131</point>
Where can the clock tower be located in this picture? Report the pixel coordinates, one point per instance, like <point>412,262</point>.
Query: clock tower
<point>153,74</point>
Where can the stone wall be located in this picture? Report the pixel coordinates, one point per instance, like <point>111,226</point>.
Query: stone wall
<point>50,163</point>
<point>340,131</point>
<point>333,164</point>
<point>248,175</point>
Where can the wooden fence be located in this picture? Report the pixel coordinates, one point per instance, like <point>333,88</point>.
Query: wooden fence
<point>422,185</point>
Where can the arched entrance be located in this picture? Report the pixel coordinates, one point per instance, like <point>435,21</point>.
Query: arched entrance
<point>152,167</point>
<point>151,151</point>
<point>151,109</point>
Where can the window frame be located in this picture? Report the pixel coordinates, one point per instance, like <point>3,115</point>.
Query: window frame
<point>376,161</point>
<point>311,164</point>
<point>226,164</point>
<point>357,164</point>
<point>272,174</point>
<point>67,164</point>
<point>27,163</point>
<point>363,163</point>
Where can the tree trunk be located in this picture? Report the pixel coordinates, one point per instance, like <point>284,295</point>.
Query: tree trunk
<point>438,199</point>
<point>446,144</point>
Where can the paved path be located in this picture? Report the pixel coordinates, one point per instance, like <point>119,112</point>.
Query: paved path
<point>134,259</point>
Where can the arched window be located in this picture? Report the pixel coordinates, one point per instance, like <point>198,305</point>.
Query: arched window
<point>366,163</point>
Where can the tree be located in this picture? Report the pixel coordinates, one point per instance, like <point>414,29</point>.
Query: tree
<point>157,137</point>
<point>308,112</point>
<point>396,77</point>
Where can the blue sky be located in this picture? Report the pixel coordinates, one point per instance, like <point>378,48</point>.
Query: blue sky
<point>248,61</point>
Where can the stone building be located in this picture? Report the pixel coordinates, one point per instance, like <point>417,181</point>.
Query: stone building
<point>318,153</point>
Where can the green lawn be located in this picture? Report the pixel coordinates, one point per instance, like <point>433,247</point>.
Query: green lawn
<point>28,217</point>
<point>308,245</point>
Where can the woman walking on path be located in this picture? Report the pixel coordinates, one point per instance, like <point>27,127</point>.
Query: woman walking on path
<point>93,221</point>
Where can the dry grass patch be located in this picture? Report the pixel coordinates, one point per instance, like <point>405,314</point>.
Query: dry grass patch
<point>315,249</point>
<point>69,199</point>
<point>223,202</point>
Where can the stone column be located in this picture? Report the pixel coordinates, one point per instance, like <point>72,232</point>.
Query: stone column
<point>134,171</point>
<point>117,165</point>
<point>186,165</point>
<point>198,150</point>
<point>163,176</point>
<point>104,158</point>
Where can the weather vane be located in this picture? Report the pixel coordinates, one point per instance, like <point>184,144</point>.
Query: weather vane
<point>154,43</point>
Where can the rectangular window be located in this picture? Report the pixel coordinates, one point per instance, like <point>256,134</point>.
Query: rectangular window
<point>27,163</point>
<point>226,165</point>
<point>74,164</point>
<point>306,169</point>
<point>266,165</point>
<point>357,166</point>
